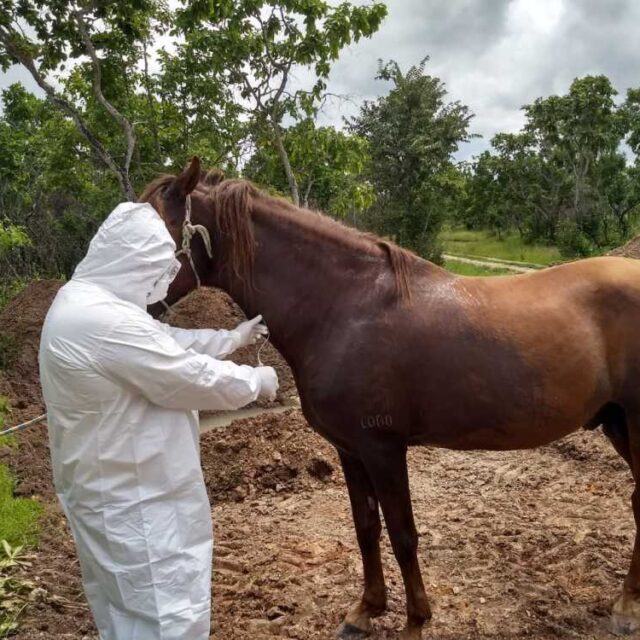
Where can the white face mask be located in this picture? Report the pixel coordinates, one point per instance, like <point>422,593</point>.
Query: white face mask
<point>161,287</point>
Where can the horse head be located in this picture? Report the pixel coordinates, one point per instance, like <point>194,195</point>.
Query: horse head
<point>209,219</point>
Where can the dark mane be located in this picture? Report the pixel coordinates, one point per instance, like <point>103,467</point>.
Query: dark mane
<point>156,187</point>
<point>231,200</point>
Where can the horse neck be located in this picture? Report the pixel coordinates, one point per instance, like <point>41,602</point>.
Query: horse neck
<point>304,281</point>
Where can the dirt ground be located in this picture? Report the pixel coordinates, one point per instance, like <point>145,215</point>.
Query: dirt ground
<point>530,544</point>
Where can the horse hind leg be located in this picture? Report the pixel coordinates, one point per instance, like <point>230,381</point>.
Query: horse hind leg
<point>623,429</point>
<point>614,425</point>
<point>366,517</point>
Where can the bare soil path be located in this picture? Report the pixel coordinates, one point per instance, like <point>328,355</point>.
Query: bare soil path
<point>491,263</point>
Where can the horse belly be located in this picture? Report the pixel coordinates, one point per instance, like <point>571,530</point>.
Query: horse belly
<point>509,394</point>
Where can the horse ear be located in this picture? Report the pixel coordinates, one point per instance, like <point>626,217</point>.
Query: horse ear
<point>187,181</point>
<point>213,177</point>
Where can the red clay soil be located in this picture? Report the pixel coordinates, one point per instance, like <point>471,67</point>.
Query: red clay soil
<point>515,545</point>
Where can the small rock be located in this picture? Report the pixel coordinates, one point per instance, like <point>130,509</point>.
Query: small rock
<point>275,612</point>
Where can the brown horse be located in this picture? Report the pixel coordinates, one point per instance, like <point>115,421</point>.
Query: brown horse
<point>389,350</point>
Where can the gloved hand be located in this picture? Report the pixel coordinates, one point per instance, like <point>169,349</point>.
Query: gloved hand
<point>250,330</point>
<point>268,383</point>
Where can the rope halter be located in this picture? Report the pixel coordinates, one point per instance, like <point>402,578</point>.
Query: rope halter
<point>189,231</point>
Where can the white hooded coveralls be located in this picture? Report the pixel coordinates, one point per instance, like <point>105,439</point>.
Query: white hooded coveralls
<point>120,388</point>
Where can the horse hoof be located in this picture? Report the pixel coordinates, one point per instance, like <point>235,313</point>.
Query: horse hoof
<point>347,631</point>
<point>621,624</point>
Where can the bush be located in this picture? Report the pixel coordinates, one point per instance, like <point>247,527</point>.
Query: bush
<point>572,242</point>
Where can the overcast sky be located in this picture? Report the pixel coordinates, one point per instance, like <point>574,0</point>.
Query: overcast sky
<point>493,55</point>
<point>497,55</point>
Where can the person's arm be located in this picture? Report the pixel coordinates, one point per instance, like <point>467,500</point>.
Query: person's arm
<point>218,343</point>
<point>142,356</point>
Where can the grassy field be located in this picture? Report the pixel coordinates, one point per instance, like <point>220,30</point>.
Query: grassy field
<point>464,269</point>
<point>510,247</point>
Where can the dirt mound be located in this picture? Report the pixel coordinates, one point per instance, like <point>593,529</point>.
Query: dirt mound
<point>270,454</point>
<point>629,250</point>
<point>20,325</point>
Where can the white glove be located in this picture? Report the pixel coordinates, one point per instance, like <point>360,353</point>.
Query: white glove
<point>268,383</point>
<point>249,331</point>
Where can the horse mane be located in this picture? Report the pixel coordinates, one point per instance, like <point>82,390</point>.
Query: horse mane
<point>156,187</point>
<point>231,200</point>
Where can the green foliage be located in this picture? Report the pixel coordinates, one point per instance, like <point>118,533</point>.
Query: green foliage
<point>52,191</point>
<point>253,47</point>
<point>18,516</point>
<point>18,527</point>
<point>328,166</point>
<point>412,134</point>
<point>563,179</point>
<point>12,236</point>
<point>65,161</point>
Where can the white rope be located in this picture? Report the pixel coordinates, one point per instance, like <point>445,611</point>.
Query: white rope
<point>24,425</point>
<point>188,233</point>
<point>262,346</point>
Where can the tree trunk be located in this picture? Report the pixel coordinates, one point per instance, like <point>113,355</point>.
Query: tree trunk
<point>150,101</point>
<point>286,165</point>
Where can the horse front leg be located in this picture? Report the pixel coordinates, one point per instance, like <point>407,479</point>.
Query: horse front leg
<point>386,463</point>
<point>366,517</point>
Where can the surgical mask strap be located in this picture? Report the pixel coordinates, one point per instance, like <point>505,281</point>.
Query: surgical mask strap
<point>189,230</point>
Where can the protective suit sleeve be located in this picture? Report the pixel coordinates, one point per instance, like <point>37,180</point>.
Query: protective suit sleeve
<point>139,355</point>
<point>215,343</point>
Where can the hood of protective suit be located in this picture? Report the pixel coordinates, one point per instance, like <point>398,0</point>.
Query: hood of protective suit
<point>130,252</point>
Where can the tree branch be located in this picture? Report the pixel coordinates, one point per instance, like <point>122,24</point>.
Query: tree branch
<point>26,61</point>
<point>113,112</point>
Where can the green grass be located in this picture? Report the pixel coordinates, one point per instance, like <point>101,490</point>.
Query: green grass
<point>464,269</point>
<point>18,516</point>
<point>510,247</point>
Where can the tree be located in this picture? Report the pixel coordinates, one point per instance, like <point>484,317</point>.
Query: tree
<point>412,134</point>
<point>60,34</point>
<point>255,46</point>
<point>327,165</point>
<point>49,186</point>
<point>563,179</point>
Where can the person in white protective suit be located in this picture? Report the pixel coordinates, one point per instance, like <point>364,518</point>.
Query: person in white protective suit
<point>121,389</point>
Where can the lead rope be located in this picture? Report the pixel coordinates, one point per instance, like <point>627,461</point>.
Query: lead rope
<point>188,232</point>
<point>262,346</point>
<point>24,425</point>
